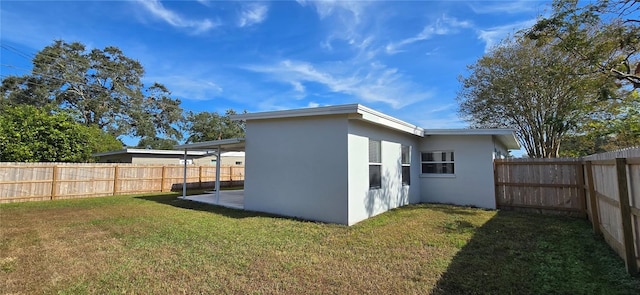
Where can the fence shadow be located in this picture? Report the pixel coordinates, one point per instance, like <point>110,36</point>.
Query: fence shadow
<point>538,254</point>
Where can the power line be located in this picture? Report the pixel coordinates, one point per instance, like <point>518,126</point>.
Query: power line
<point>21,53</point>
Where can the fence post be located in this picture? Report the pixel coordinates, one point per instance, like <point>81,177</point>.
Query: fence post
<point>582,196</point>
<point>115,180</point>
<point>593,200</point>
<point>625,215</point>
<point>54,176</point>
<point>200,177</point>
<point>164,171</point>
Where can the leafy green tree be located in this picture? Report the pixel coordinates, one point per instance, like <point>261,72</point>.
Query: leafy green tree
<point>605,34</point>
<point>103,86</point>
<point>615,127</point>
<point>529,88</point>
<point>157,143</point>
<point>205,126</point>
<point>30,134</point>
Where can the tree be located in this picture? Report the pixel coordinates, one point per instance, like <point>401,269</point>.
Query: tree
<point>527,87</point>
<point>29,134</point>
<point>205,126</point>
<point>604,34</point>
<point>616,126</point>
<point>157,143</point>
<point>103,86</point>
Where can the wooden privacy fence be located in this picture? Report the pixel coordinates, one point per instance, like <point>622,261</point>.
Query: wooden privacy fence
<point>540,184</point>
<point>607,191</point>
<point>21,182</point>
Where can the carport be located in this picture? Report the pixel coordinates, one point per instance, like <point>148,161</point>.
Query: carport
<point>216,147</point>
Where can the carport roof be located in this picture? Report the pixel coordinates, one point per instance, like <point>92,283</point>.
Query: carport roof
<point>224,145</point>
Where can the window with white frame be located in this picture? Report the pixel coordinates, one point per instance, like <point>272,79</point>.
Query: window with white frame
<point>438,162</point>
<point>375,164</point>
<point>406,165</point>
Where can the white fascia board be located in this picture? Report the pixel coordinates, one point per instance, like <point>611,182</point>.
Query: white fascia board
<point>213,144</point>
<point>361,112</point>
<point>385,120</point>
<point>505,136</point>
<point>305,112</point>
<point>148,151</point>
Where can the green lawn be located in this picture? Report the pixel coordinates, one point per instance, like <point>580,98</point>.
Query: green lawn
<point>157,244</point>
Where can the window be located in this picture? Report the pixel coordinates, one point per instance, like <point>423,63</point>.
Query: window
<point>375,164</point>
<point>438,162</point>
<point>406,165</point>
<point>238,162</point>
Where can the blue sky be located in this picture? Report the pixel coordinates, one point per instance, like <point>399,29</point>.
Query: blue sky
<point>401,58</point>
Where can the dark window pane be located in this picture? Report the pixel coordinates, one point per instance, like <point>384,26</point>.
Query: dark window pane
<point>406,155</point>
<point>427,157</point>
<point>438,168</point>
<point>375,176</point>
<point>406,175</point>
<point>428,168</point>
<point>445,168</point>
<point>452,157</point>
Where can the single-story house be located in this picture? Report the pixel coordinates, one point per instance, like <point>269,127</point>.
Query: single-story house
<point>343,164</point>
<point>169,157</point>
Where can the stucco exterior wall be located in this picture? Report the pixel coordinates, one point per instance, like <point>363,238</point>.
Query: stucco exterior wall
<point>298,167</point>
<point>365,202</point>
<point>472,183</point>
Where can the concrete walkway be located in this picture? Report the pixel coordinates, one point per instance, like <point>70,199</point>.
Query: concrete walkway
<point>231,199</point>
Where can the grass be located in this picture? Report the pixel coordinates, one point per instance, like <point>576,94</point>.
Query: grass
<point>159,244</point>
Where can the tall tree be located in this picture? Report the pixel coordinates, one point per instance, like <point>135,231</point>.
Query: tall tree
<point>157,143</point>
<point>526,87</point>
<point>605,34</point>
<point>30,134</point>
<point>103,86</point>
<point>205,126</point>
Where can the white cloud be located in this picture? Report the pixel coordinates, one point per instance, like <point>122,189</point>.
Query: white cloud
<point>493,36</point>
<point>329,7</point>
<point>204,2</point>
<point>189,88</point>
<point>253,13</point>
<point>442,26</point>
<point>373,82</point>
<point>158,10</point>
<point>511,7</point>
<point>313,104</point>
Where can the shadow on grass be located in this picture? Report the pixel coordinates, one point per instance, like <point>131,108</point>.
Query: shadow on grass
<point>454,209</point>
<point>173,200</point>
<point>535,254</point>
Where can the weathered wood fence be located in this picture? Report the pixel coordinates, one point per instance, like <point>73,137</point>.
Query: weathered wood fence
<point>604,188</point>
<point>21,182</point>
<point>540,184</point>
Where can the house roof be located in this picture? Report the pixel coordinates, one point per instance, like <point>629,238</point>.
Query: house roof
<point>354,111</point>
<point>506,136</point>
<point>357,111</point>
<point>149,152</point>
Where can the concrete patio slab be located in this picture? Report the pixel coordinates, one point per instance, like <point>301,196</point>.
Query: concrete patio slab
<point>230,199</point>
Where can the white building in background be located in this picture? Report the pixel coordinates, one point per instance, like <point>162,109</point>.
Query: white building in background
<point>343,164</point>
<point>168,157</point>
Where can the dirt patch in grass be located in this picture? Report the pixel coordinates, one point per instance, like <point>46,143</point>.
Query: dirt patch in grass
<point>164,245</point>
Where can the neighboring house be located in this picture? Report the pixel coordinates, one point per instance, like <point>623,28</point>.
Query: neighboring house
<point>168,157</point>
<point>343,164</point>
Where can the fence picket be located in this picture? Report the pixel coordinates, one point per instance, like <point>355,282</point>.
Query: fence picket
<point>20,182</point>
